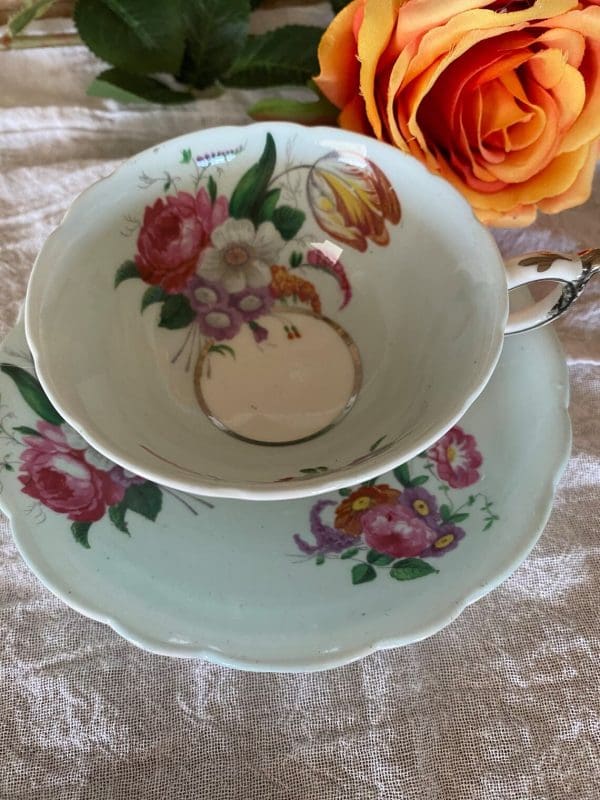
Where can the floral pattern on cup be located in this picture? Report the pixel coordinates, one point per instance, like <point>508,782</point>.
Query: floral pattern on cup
<point>216,263</point>
<point>398,528</point>
<point>59,470</point>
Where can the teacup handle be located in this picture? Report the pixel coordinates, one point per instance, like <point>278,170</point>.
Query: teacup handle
<point>571,272</point>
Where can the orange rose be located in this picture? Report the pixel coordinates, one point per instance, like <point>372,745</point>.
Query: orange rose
<point>500,98</point>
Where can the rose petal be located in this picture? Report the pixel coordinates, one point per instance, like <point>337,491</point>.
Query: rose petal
<point>419,16</point>
<point>547,67</point>
<point>554,179</point>
<point>445,44</point>
<point>520,165</point>
<point>353,117</point>
<point>373,37</point>
<point>571,43</point>
<point>518,217</point>
<point>587,23</point>
<point>580,189</point>
<point>339,74</point>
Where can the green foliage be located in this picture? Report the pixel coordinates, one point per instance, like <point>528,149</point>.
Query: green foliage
<point>288,221</point>
<point>212,189</point>
<point>378,559</point>
<point>363,573</point>
<point>295,261</point>
<point>128,269</point>
<point>30,10</point>
<point>139,36</point>
<point>33,394</point>
<point>153,294</point>
<point>199,43</point>
<point>250,193</point>
<point>215,33</point>
<point>145,499</point>
<point>176,312</point>
<point>26,430</point>
<point>117,84</point>
<point>222,350</point>
<point>407,569</point>
<point>286,55</point>
<point>80,532</point>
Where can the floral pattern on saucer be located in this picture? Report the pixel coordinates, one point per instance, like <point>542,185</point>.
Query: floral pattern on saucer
<point>216,263</point>
<point>397,528</point>
<point>61,472</point>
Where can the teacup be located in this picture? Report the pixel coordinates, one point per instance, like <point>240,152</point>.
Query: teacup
<point>273,311</point>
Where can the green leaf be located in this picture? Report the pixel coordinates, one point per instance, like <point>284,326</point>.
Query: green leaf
<point>458,517</point>
<point>410,568</point>
<point>212,189</point>
<point>117,84</point>
<point>402,475</point>
<point>117,516</point>
<point>320,559</point>
<point>215,32</point>
<point>445,512</point>
<point>186,156</point>
<point>26,430</point>
<point>376,444</point>
<point>419,480</point>
<point>313,112</point>
<point>30,10</point>
<point>378,559</point>
<point>295,259</point>
<point>80,532</point>
<point>145,499</point>
<point>139,36</point>
<point>488,524</point>
<point>248,196</point>
<point>128,269</point>
<point>349,553</point>
<point>176,312</point>
<point>154,294</point>
<point>8,467</point>
<point>363,573</point>
<point>222,349</point>
<point>33,394</point>
<point>286,55</point>
<point>288,221</point>
<point>265,212</point>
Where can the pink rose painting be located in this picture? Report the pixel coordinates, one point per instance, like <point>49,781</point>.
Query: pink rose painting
<point>61,472</point>
<point>174,232</point>
<point>62,479</point>
<point>396,531</point>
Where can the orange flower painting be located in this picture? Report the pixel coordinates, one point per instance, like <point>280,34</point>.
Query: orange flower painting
<point>500,98</point>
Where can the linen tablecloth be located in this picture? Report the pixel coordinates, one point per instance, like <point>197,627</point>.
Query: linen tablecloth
<point>502,704</point>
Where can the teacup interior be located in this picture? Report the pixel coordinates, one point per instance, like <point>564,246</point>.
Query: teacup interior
<point>401,266</point>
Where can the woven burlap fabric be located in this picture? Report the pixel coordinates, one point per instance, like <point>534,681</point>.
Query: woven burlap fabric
<point>502,704</point>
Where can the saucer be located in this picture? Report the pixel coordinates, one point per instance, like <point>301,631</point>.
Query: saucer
<point>296,585</point>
